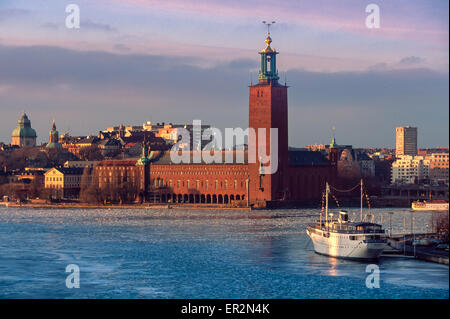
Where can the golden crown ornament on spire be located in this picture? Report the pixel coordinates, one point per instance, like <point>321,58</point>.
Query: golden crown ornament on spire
<point>268,39</point>
<point>268,73</point>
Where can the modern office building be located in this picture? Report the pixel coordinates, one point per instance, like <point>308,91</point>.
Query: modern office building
<point>406,140</point>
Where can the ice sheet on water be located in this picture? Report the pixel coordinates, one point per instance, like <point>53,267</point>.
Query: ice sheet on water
<point>176,253</point>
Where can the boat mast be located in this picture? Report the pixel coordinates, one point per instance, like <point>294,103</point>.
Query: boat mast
<point>326,204</point>
<point>361,199</point>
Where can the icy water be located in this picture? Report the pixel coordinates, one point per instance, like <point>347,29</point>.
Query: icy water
<point>194,254</point>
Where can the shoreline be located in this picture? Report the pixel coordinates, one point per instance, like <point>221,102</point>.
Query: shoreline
<point>188,206</point>
<point>126,206</point>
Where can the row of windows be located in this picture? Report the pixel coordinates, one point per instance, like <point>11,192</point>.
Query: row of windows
<point>60,179</point>
<point>110,174</point>
<point>200,172</point>
<point>112,180</point>
<point>159,182</point>
<point>116,167</point>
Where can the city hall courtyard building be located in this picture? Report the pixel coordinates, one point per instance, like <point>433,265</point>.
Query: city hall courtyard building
<point>300,175</point>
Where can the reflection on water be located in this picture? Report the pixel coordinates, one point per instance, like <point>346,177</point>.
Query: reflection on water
<point>195,254</point>
<point>333,267</point>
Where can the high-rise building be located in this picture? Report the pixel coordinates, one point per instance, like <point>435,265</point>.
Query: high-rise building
<point>406,140</point>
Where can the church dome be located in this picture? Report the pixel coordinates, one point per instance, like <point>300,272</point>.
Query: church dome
<point>23,128</point>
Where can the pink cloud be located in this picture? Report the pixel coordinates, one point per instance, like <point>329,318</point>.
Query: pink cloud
<point>348,17</point>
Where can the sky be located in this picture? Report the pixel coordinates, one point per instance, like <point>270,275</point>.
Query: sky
<point>133,61</point>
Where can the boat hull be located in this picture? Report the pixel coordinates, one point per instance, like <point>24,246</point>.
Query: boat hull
<point>340,246</point>
<point>438,207</point>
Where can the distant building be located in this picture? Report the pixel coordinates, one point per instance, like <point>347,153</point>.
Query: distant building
<point>366,164</point>
<point>406,141</point>
<point>23,135</point>
<point>431,168</point>
<point>25,175</point>
<point>316,147</point>
<point>409,169</point>
<point>347,165</point>
<point>75,144</point>
<point>109,147</point>
<point>169,133</point>
<point>53,141</point>
<point>438,170</point>
<point>63,182</point>
<point>351,163</point>
<point>82,164</point>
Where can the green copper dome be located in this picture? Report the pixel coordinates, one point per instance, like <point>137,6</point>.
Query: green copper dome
<point>23,128</point>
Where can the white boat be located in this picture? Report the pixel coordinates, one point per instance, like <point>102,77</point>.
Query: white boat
<point>342,238</point>
<point>433,205</point>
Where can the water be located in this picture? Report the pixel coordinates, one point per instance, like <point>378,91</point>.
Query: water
<point>194,254</point>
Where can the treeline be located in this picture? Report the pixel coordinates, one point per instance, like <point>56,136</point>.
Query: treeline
<point>19,158</point>
<point>120,191</point>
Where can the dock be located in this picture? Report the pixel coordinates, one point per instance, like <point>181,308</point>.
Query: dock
<point>402,244</point>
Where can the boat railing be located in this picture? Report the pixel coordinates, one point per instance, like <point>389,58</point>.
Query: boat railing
<point>346,231</point>
<point>380,240</point>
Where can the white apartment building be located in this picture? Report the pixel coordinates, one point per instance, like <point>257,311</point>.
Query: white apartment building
<point>409,169</point>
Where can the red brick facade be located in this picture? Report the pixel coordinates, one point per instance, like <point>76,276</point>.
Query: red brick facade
<point>300,176</point>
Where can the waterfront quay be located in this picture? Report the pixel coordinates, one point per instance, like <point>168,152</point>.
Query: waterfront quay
<point>404,195</point>
<point>423,246</point>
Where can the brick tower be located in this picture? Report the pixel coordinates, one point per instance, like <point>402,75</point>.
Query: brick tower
<point>268,109</point>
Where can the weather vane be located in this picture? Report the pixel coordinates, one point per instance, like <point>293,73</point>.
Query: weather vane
<point>268,25</point>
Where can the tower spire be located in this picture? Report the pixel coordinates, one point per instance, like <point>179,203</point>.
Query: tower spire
<point>268,26</point>
<point>268,73</point>
<point>333,138</point>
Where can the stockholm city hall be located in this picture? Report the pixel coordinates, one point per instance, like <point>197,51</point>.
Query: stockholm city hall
<point>300,177</point>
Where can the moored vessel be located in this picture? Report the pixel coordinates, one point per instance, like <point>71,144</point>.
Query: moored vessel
<point>432,205</point>
<point>342,238</point>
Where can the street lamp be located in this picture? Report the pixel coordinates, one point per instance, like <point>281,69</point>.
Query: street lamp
<point>412,231</point>
<point>390,223</point>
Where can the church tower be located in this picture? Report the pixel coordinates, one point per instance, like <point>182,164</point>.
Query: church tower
<point>333,151</point>
<point>53,141</point>
<point>268,109</point>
